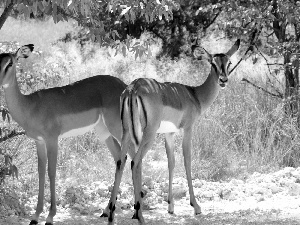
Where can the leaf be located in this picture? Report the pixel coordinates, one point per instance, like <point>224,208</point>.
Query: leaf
<point>127,17</point>
<point>149,52</point>
<point>48,9</point>
<point>35,7</point>
<point>133,17</point>
<point>3,115</point>
<point>117,51</point>
<point>54,13</point>
<point>136,53</point>
<point>116,32</point>
<point>40,6</point>
<point>14,171</point>
<point>141,52</point>
<point>124,50</point>
<point>7,160</point>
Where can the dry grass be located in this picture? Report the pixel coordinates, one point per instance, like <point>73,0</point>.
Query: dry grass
<point>244,131</point>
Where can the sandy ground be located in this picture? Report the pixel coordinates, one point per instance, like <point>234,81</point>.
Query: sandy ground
<point>275,211</point>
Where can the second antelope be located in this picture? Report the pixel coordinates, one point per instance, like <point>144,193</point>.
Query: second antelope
<point>149,107</point>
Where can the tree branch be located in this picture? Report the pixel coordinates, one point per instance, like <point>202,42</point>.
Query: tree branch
<point>261,88</point>
<point>213,20</point>
<point>5,14</point>
<point>255,34</point>
<point>11,135</point>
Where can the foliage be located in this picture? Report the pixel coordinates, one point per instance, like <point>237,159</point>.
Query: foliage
<point>107,21</point>
<point>272,28</point>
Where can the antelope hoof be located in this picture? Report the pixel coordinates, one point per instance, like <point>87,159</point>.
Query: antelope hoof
<point>104,215</point>
<point>135,217</point>
<point>171,212</point>
<point>33,222</point>
<point>48,223</point>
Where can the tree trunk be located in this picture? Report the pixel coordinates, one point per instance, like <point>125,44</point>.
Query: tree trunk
<point>292,86</point>
<point>5,14</point>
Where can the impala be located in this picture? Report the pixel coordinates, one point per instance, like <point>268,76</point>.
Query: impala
<point>149,107</point>
<point>64,111</point>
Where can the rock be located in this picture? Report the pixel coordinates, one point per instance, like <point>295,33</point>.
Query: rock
<point>209,195</point>
<point>84,212</point>
<point>148,182</point>
<point>259,197</point>
<point>236,182</point>
<point>124,204</point>
<point>274,188</point>
<point>198,183</point>
<point>224,194</point>
<point>294,189</point>
<point>179,191</point>
<point>11,212</point>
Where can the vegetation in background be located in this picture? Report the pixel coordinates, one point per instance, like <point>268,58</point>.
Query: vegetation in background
<point>245,130</point>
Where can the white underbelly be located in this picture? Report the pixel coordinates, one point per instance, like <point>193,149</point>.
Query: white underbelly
<point>167,127</point>
<point>81,130</point>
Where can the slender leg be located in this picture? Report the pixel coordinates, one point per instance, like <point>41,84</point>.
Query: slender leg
<point>115,149</point>
<point>186,147</point>
<point>118,176</point>
<point>137,183</point>
<point>52,146</point>
<point>42,160</point>
<point>136,167</point>
<point>169,143</point>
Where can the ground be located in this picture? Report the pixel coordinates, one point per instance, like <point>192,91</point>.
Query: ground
<point>184,215</point>
<point>260,199</point>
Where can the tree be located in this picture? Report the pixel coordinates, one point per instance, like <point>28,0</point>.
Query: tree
<point>271,27</point>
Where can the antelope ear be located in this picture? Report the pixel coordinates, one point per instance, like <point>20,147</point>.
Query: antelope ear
<point>201,53</point>
<point>24,51</point>
<point>234,48</point>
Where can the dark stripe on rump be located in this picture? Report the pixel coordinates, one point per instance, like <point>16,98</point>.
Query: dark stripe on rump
<point>122,109</point>
<point>144,110</point>
<point>132,121</point>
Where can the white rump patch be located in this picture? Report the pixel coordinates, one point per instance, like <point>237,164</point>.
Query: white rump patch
<point>167,127</point>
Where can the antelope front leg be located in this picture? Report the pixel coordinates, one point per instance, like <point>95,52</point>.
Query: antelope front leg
<point>52,146</point>
<point>186,147</point>
<point>169,143</point>
<point>42,160</point>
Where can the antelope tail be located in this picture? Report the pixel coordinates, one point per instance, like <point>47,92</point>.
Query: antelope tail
<point>132,115</point>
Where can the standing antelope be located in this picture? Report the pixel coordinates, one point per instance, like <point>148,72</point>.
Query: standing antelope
<point>149,107</point>
<point>64,111</point>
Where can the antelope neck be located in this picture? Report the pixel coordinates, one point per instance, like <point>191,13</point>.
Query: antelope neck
<point>17,103</point>
<point>209,90</point>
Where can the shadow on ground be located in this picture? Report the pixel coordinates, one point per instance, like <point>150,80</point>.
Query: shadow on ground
<point>160,217</point>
